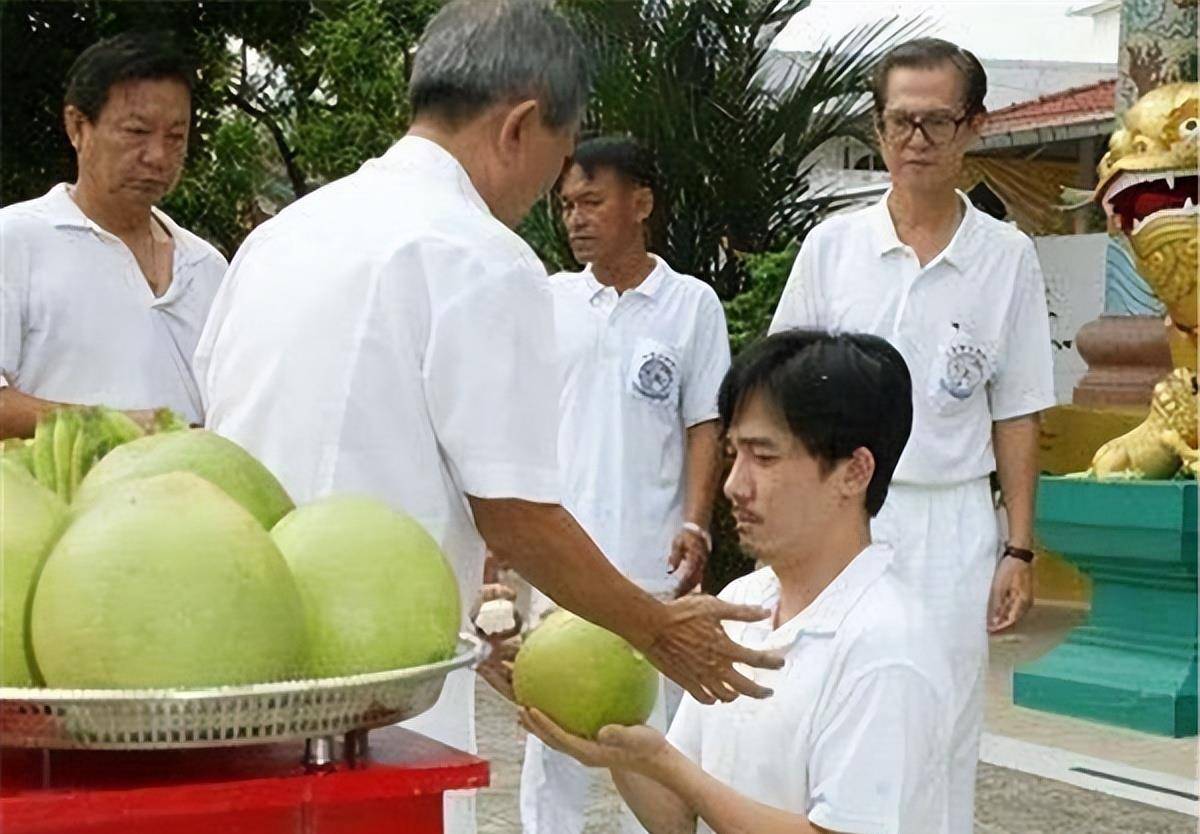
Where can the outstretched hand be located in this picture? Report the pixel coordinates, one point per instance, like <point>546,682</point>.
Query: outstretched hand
<point>694,651</point>
<point>639,748</point>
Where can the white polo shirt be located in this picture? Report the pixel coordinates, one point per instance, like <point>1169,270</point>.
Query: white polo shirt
<point>80,324</point>
<point>386,335</point>
<point>855,734</point>
<point>640,369</point>
<point>972,326</point>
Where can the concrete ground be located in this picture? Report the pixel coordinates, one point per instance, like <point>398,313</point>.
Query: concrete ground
<point>1008,801</point>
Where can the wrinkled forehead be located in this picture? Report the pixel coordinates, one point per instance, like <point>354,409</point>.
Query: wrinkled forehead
<point>940,87</point>
<point>148,98</point>
<point>603,179</point>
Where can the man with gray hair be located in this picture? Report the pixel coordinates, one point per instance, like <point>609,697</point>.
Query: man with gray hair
<point>390,335</point>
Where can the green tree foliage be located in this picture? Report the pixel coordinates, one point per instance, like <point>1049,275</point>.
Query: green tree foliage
<point>733,124</point>
<point>749,313</point>
<point>291,95</point>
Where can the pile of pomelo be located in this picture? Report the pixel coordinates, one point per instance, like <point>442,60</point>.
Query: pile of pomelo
<point>176,559</point>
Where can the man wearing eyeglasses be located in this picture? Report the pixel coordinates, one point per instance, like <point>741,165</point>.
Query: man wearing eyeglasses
<point>961,296</point>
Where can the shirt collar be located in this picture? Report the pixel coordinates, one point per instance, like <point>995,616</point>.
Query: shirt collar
<point>826,613</point>
<point>883,232</point>
<point>428,157</point>
<point>650,287</point>
<point>64,213</point>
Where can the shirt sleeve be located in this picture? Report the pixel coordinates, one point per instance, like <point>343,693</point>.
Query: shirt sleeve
<point>879,764</point>
<point>708,362</point>
<point>1024,381</point>
<point>14,290</point>
<point>800,305</point>
<point>492,383</point>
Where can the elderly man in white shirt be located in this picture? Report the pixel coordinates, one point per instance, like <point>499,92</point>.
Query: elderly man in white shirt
<point>102,296</point>
<point>645,349</point>
<point>854,739</point>
<point>391,335</point>
<point>961,296</point>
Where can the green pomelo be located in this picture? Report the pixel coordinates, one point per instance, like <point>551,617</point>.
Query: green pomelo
<point>582,676</point>
<point>166,582</point>
<point>31,519</point>
<point>378,593</point>
<point>202,453</point>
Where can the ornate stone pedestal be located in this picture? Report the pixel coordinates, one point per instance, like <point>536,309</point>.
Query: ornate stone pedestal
<point>1133,663</point>
<point>1126,357</point>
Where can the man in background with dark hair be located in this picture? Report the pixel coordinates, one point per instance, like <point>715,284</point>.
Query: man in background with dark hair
<point>391,335</point>
<point>644,350</point>
<point>961,296</point>
<point>102,296</point>
<point>854,739</point>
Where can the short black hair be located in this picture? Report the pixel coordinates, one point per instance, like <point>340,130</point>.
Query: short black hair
<point>837,393</point>
<point>928,53</point>
<point>131,56</point>
<point>623,155</point>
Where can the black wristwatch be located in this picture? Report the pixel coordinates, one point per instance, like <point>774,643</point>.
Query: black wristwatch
<point>1018,553</point>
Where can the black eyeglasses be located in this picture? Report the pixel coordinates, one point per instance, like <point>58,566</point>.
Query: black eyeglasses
<point>938,128</point>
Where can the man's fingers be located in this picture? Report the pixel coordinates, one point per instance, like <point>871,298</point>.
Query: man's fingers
<point>583,750</point>
<point>612,735</point>
<point>1006,612</point>
<point>754,657</point>
<point>691,576</point>
<point>676,557</point>
<point>741,613</point>
<point>495,590</point>
<point>723,691</point>
<point>696,690</point>
<point>744,686</point>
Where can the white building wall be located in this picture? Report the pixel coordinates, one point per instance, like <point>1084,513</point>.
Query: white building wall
<point>1074,270</point>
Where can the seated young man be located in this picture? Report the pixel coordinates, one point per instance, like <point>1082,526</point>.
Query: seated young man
<point>853,739</point>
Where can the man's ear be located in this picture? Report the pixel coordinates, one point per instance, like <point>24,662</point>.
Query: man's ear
<point>516,124</point>
<point>858,472</point>
<point>643,202</point>
<point>74,121</point>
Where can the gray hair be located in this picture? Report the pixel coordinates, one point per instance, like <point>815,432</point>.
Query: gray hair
<point>476,53</point>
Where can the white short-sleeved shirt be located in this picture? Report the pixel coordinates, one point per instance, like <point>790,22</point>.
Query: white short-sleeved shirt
<point>80,324</point>
<point>855,735</point>
<point>972,326</point>
<point>386,335</point>
<point>640,369</point>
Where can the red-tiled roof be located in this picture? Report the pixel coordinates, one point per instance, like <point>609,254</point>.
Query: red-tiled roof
<point>1078,104</point>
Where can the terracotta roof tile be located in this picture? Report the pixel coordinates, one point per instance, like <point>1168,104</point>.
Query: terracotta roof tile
<point>1078,104</point>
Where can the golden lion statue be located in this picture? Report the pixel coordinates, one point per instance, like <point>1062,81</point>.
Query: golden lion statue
<point>1148,187</point>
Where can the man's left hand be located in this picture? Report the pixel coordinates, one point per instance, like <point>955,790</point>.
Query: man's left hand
<point>689,550</point>
<point>640,749</point>
<point>1012,594</point>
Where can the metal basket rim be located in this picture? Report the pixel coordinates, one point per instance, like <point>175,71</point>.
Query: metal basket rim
<point>465,655</point>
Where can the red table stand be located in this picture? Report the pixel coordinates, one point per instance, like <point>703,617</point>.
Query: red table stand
<point>395,787</point>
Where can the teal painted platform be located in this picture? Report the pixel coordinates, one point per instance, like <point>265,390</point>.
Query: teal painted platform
<point>1133,663</point>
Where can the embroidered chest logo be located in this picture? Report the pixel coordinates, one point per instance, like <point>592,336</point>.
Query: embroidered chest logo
<point>655,376</point>
<point>966,367</point>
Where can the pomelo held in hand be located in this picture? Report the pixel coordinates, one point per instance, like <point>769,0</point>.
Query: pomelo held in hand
<point>202,453</point>
<point>582,676</point>
<point>165,582</point>
<point>31,518</point>
<point>378,594</point>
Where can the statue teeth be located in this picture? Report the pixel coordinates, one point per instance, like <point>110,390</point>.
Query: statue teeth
<point>1170,177</point>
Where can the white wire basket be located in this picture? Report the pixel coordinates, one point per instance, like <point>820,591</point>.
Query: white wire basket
<point>163,719</point>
